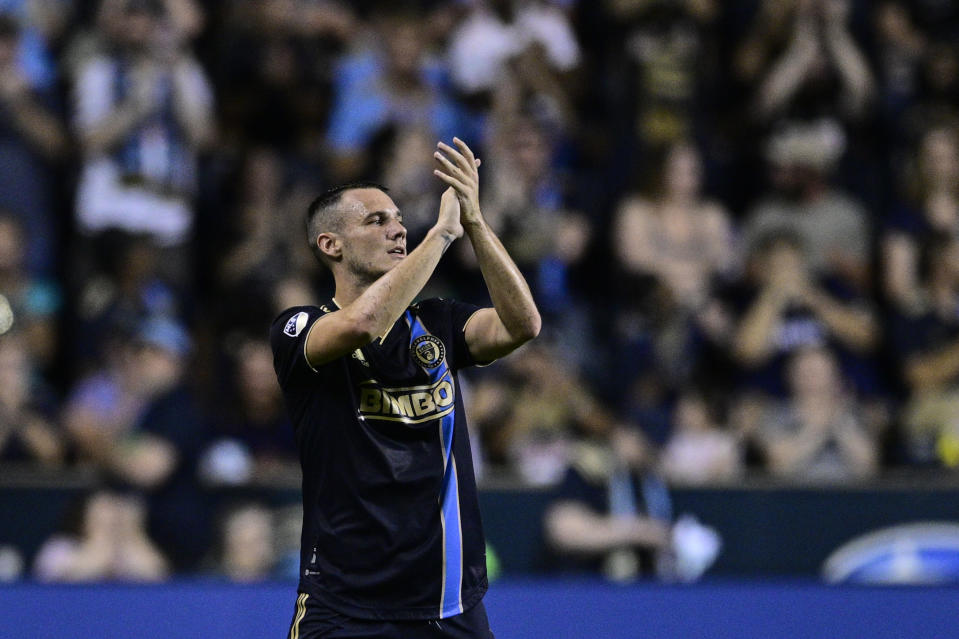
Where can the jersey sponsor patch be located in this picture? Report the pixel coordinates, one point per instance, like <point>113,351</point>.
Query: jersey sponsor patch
<point>411,404</point>
<point>296,323</point>
<point>428,350</point>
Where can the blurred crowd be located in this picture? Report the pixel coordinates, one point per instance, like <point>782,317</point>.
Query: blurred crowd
<point>740,222</point>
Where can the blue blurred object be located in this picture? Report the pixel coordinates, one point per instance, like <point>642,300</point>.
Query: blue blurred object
<point>166,334</point>
<point>919,553</point>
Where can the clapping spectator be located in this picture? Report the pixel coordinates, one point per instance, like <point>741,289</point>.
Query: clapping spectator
<point>786,306</point>
<point>822,72</point>
<point>143,109</point>
<point>699,450</point>
<point>248,540</point>
<point>819,433</point>
<point>112,544</point>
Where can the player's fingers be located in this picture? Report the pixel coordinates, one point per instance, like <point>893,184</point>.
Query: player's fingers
<point>478,162</point>
<point>461,161</point>
<point>465,150</point>
<point>452,181</point>
<point>450,168</point>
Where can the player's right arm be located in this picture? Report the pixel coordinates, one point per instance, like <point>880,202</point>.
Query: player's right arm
<point>375,310</point>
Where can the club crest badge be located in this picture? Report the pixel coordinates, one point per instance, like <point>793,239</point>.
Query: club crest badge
<point>428,351</point>
<point>295,324</point>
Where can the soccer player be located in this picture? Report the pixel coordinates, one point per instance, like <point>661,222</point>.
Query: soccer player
<point>392,544</point>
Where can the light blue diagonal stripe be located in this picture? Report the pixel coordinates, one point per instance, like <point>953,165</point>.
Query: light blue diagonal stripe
<point>451,601</point>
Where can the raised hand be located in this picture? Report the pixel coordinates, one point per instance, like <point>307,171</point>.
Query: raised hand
<point>449,218</point>
<point>460,171</point>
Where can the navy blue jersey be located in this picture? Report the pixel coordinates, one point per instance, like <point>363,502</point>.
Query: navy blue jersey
<point>391,522</point>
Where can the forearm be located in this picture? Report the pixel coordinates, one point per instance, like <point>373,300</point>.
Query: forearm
<point>42,129</point>
<point>508,289</point>
<point>574,528</point>
<point>859,450</point>
<point>103,136</point>
<point>785,78</point>
<point>929,371</point>
<point>790,454</point>
<point>855,327</point>
<point>853,68</point>
<point>753,341</point>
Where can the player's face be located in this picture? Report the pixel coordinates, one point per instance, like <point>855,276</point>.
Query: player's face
<point>374,238</point>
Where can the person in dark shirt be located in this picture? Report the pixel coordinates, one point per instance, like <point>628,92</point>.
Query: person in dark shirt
<point>392,544</point>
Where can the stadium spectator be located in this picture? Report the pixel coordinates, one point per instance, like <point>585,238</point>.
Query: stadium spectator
<point>27,432</point>
<point>111,544</point>
<point>677,236</point>
<point>530,422</point>
<point>699,450</point>
<point>926,338</point>
<point>142,110</point>
<point>34,300</point>
<point>391,81</point>
<point>611,513</point>
<point>785,306</point>
<point>517,54</point>
<point>819,433</point>
<point>832,224</point>
<point>248,539</point>
<point>274,70</point>
<point>125,284</point>
<point>822,72</point>
<point>263,243</point>
<point>672,55</point>
<point>931,207</point>
<point>32,141</point>
<point>252,413</point>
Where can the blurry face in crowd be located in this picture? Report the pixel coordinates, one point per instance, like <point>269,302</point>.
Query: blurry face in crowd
<point>531,151</point>
<point>8,50</point>
<point>404,46</point>
<point>813,371</point>
<point>683,171</point>
<point>14,372</point>
<point>137,26</point>
<point>11,245</point>
<point>248,542</point>
<point>256,379</point>
<point>692,415</point>
<point>372,238</point>
<point>939,158</point>
<point>158,369</point>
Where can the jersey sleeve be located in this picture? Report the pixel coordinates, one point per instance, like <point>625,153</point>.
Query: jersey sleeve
<point>288,339</point>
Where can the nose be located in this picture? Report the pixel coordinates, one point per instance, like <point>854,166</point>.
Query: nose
<point>396,230</point>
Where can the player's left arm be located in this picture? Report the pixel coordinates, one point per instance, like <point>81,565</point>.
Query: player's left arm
<point>491,332</point>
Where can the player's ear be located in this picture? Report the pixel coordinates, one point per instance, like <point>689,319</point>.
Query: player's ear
<point>330,245</point>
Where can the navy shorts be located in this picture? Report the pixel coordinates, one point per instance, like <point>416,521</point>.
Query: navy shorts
<point>314,620</point>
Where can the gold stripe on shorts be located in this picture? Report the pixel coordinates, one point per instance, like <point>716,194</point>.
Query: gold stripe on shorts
<point>300,613</point>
